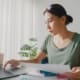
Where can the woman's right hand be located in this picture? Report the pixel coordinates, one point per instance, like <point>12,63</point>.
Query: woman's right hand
<point>13,63</point>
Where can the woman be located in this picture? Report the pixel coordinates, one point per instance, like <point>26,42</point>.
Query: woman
<point>61,45</point>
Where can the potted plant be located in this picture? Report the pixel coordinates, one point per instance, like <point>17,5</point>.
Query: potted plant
<point>29,50</point>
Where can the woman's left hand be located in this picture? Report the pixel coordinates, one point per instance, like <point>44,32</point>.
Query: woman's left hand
<point>74,74</point>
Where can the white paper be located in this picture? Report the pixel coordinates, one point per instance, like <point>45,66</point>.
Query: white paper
<point>58,68</point>
<point>32,69</point>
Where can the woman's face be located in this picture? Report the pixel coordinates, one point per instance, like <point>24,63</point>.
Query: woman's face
<point>53,22</point>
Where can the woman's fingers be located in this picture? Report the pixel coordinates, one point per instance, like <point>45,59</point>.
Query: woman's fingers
<point>74,74</point>
<point>13,63</point>
<point>75,69</point>
<point>4,66</point>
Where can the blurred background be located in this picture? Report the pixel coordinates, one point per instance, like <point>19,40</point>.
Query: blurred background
<point>23,19</point>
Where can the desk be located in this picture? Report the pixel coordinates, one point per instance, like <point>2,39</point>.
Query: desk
<point>34,78</point>
<point>15,78</point>
<point>49,67</point>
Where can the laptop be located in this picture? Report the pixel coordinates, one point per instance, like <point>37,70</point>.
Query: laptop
<point>11,73</point>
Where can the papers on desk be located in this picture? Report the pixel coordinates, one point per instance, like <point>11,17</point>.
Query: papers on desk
<point>34,70</point>
<point>49,67</point>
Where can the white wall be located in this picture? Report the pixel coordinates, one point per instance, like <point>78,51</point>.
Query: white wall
<point>16,25</point>
<point>72,7</point>
<point>22,19</point>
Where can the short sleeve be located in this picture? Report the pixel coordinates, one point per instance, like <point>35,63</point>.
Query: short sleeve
<point>75,60</point>
<point>43,47</point>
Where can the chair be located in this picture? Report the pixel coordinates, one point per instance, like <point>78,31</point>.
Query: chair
<point>45,60</point>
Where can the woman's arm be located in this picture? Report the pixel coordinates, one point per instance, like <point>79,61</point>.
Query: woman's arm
<point>37,59</point>
<point>15,63</point>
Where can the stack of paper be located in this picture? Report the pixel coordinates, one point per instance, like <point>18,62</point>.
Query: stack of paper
<point>33,71</point>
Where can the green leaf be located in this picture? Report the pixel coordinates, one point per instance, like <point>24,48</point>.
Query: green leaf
<point>33,39</point>
<point>23,54</point>
<point>26,47</point>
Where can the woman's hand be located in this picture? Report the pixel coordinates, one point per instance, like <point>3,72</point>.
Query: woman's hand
<point>13,63</point>
<point>74,74</point>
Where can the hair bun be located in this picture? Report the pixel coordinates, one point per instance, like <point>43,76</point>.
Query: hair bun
<point>69,19</point>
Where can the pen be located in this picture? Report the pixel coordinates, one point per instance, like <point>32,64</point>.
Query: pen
<point>47,73</point>
<point>52,74</point>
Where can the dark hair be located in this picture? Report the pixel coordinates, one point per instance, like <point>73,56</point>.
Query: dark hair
<point>59,10</point>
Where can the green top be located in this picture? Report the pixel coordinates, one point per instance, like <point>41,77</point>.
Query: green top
<point>64,55</point>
